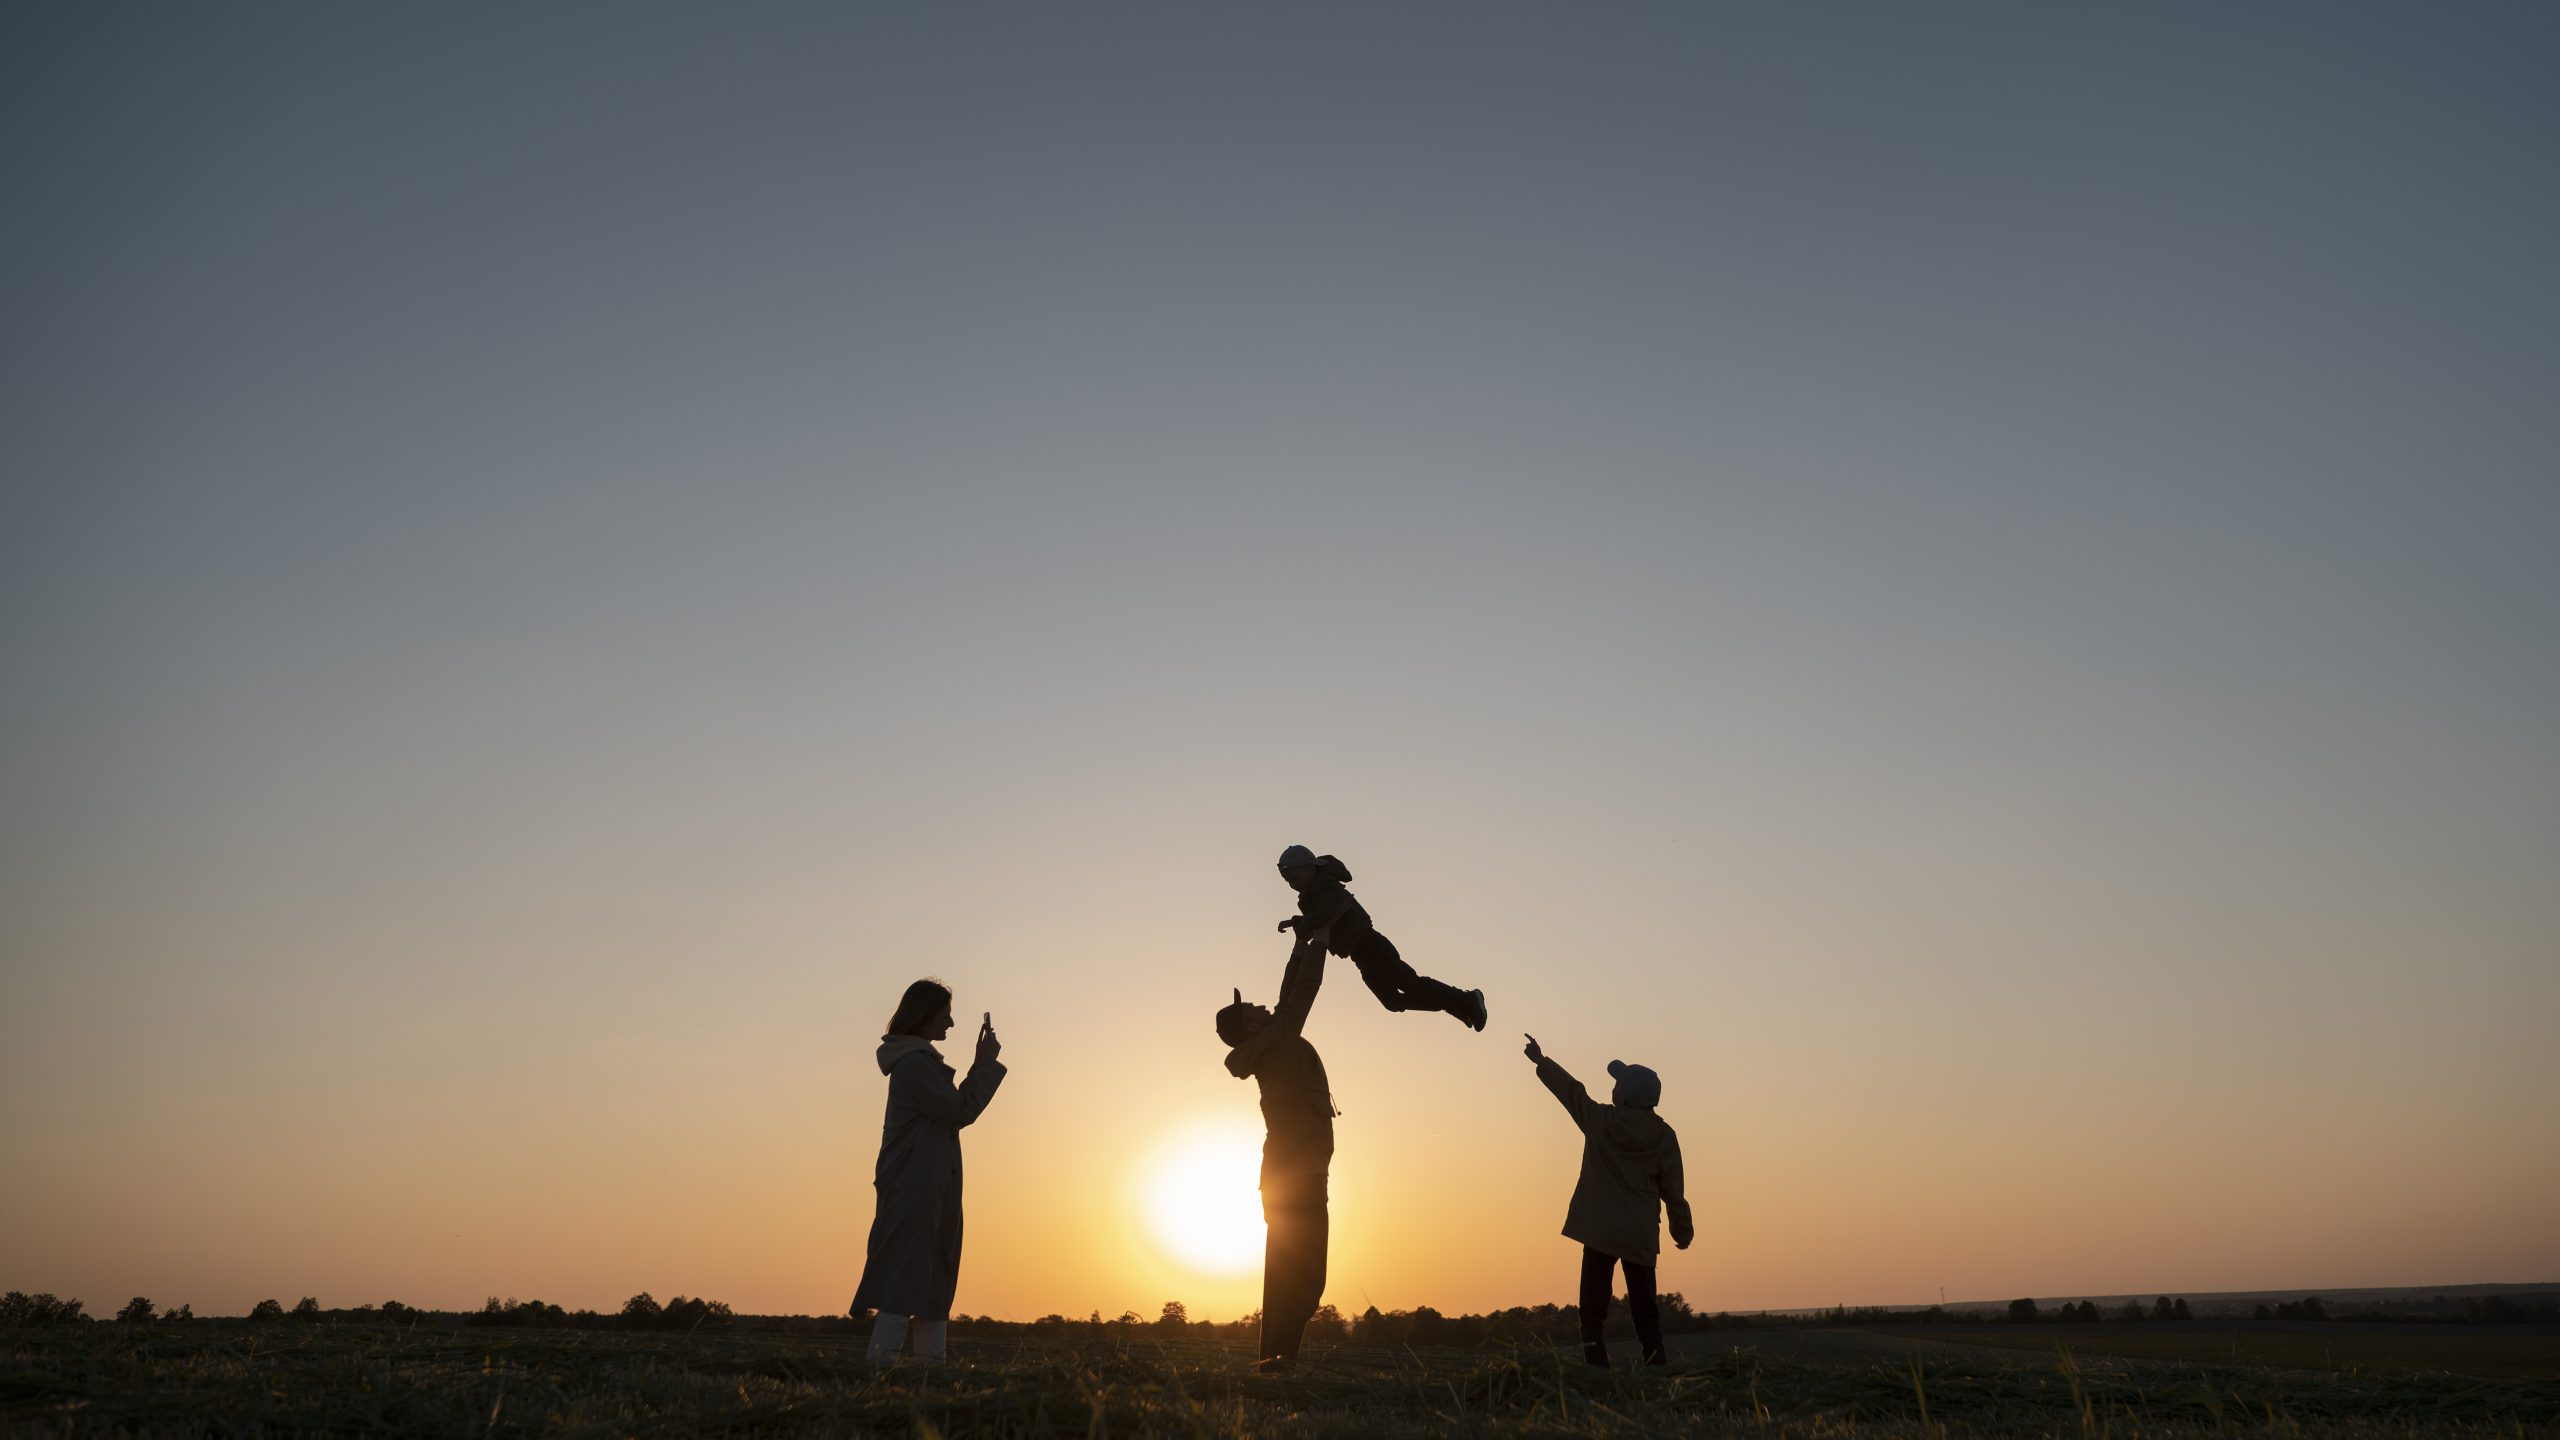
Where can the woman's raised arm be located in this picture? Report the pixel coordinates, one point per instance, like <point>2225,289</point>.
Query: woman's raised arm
<point>927,1089</point>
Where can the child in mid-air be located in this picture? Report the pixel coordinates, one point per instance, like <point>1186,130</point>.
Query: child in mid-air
<point>1630,1175</point>
<point>1327,915</point>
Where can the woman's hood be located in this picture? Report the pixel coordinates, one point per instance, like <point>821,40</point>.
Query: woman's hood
<point>894,1048</point>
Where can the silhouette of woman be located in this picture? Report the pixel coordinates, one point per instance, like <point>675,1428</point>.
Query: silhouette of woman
<point>911,1265</point>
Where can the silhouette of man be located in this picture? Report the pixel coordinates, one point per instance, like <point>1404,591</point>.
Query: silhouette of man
<point>1297,1148</point>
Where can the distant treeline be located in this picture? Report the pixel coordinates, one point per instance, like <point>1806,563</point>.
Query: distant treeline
<point>2085,1312</point>
<point>1421,1325</point>
<point>640,1312</point>
<point>2440,1309</point>
<point>22,1309</point>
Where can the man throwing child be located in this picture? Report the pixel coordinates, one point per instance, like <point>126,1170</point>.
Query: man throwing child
<point>1297,1148</point>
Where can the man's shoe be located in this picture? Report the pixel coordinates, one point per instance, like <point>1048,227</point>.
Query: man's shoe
<point>1274,1365</point>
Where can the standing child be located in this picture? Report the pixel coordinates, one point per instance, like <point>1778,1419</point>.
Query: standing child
<point>1630,1174</point>
<point>1329,916</point>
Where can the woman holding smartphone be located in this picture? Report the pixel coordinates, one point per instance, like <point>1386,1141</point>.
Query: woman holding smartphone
<point>912,1264</point>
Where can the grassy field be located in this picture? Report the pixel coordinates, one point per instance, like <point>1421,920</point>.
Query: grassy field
<point>2505,1353</point>
<point>233,1378</point>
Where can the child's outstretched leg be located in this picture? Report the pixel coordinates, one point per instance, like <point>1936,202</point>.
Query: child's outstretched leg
<point>1399,986</point>
<point>1385,986</point>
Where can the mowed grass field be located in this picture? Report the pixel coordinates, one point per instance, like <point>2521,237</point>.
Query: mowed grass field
<point>234,1378</point>
<point>2496,1352</point>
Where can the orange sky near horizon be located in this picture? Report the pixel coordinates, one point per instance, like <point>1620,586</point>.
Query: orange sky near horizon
<point>1855,1131</point>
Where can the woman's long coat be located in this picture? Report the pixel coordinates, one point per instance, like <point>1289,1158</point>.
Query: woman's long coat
<point>912,1263</point>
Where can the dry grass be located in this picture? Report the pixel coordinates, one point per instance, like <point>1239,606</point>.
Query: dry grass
<point>2495,1353</point>
<point>239,1379</point>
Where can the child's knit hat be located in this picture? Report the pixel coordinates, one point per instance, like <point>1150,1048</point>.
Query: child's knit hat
<point>1324,865</point>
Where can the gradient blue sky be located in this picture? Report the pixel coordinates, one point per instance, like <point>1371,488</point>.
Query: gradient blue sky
<point>1974,582</point>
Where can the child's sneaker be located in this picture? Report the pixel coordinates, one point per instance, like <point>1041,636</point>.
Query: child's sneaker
<point>1474,1014</point>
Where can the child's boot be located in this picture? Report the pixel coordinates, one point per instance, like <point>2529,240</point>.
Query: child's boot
<point>1474,1013</point>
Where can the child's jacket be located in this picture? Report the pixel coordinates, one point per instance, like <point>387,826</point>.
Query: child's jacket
<point>1326,906</point>
<point>1630,1174</point>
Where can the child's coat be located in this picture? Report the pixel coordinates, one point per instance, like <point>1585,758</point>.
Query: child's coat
<point>1630,1174</point>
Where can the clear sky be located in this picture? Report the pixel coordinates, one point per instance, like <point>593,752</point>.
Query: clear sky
<point>1974,584</point>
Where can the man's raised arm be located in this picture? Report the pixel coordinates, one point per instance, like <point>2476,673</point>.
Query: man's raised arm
<point>1298,986</point>
<point>1299,983</point>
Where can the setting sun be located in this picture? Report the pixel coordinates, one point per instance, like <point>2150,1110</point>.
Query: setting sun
<point>1203,1198</point>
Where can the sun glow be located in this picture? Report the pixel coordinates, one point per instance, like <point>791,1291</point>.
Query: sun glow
<point>1203,1201</point>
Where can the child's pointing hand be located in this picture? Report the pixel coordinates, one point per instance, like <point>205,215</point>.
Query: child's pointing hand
<point>1536,1055</point>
